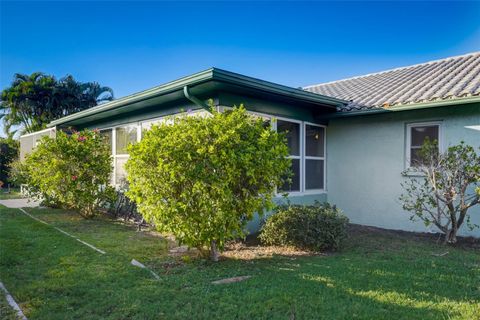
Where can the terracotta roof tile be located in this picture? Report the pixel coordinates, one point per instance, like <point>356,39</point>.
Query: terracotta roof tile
<point>449,78</point>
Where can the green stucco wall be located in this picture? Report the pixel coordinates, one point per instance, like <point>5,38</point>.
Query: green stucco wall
<point>366,154</point>
<point>256,105</point>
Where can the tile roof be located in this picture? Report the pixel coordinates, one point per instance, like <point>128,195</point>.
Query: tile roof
<point>449,78</point>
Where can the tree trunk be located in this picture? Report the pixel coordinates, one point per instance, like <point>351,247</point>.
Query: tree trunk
<point>451,236</point>
<point>214,251</point>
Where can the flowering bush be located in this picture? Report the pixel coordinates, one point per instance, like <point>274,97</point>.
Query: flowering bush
<point>203,178</point>
<point>71,171</point>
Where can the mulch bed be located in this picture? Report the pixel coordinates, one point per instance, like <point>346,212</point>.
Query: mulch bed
<point>463,242</point>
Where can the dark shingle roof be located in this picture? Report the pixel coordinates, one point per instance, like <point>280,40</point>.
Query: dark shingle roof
<point>450,78</point>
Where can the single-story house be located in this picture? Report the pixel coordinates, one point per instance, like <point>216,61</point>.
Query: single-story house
<point>349,140</point>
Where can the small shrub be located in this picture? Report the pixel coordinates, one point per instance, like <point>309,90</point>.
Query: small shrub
<point>71,171</point>
<point>444,188</point>
<point>316,227</point>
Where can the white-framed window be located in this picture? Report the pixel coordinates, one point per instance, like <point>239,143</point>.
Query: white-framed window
<point>416,135</point>
<point>314,159</point>
<point>293,131</point>
<point>119,138</point>
<point>119,172</point>
<point>124,136</point>
<point>307,144</point>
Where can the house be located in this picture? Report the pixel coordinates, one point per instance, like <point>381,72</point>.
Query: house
<point>349,140</point>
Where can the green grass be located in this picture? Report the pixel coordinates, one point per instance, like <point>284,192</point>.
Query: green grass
<point>14,194</point>
<point>6,312</point>
<point>376,276</point>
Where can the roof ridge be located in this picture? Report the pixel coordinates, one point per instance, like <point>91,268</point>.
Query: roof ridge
<point>393,69</point>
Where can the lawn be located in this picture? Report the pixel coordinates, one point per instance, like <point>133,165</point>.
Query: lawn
<point>378,275</point>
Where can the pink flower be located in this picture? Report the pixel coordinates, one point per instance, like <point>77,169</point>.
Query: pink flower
<point>81,138</point>
<point>74,178</point>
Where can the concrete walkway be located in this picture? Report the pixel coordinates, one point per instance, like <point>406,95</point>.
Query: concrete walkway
<point>20,203</point>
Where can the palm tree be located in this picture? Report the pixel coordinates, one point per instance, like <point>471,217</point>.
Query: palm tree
<point>34,100</point>
<point>26,102</point>
<point>72,96</point>
<point>94,94</point>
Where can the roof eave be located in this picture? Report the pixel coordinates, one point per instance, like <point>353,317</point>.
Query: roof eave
<point>236,78</point>
<point>408,107</point>
<point>212,74</point>
<point>136,97</point>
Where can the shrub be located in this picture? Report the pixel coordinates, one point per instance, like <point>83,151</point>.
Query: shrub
<point>9,149</point>
<point>443,188</point>
<point>202,178</point>
<point>71,171</point>
<point>316,227</point>
<point>18,173</point>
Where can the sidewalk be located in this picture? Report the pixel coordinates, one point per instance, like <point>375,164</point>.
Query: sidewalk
<point>20,203</point>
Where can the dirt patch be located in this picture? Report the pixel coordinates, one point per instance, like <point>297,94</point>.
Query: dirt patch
<point>356,230</point>
<point>251,249</point>
<point>231,280</point>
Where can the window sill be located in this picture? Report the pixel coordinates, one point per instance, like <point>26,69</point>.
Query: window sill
<point>413,174</point>
<point>301,194</point>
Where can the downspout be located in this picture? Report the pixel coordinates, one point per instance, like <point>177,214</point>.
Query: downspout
<point>195,100</point>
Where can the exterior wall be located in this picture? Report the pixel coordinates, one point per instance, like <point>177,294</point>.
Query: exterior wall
<point>142,120</point>
<point>366,155</point>
<point>28,142</point>
<point>274,108</point>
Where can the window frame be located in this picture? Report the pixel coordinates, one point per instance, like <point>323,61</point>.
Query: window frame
<point>135,126</point>
<point>324,158</point>
<point>274,120</point>
<point>408,138</point>
<point>114,156</point>
<point>303,191</point>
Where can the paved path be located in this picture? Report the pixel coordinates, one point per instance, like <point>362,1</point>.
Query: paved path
<point>20,203</point>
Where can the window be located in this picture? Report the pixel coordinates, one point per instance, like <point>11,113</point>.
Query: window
<point>306,144</point>
<point>125,136</point>
<point>120,172</point>
<point>416,135</point>
<point>314,157</point>
<point>293,135</point>
<point>305,141</point>
<point>119,138</point>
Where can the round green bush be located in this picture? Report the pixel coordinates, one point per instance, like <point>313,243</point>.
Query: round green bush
<point>203,178</point>
<point>317,227</point>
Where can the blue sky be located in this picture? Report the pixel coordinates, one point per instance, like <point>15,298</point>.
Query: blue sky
<point>131,46</point>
